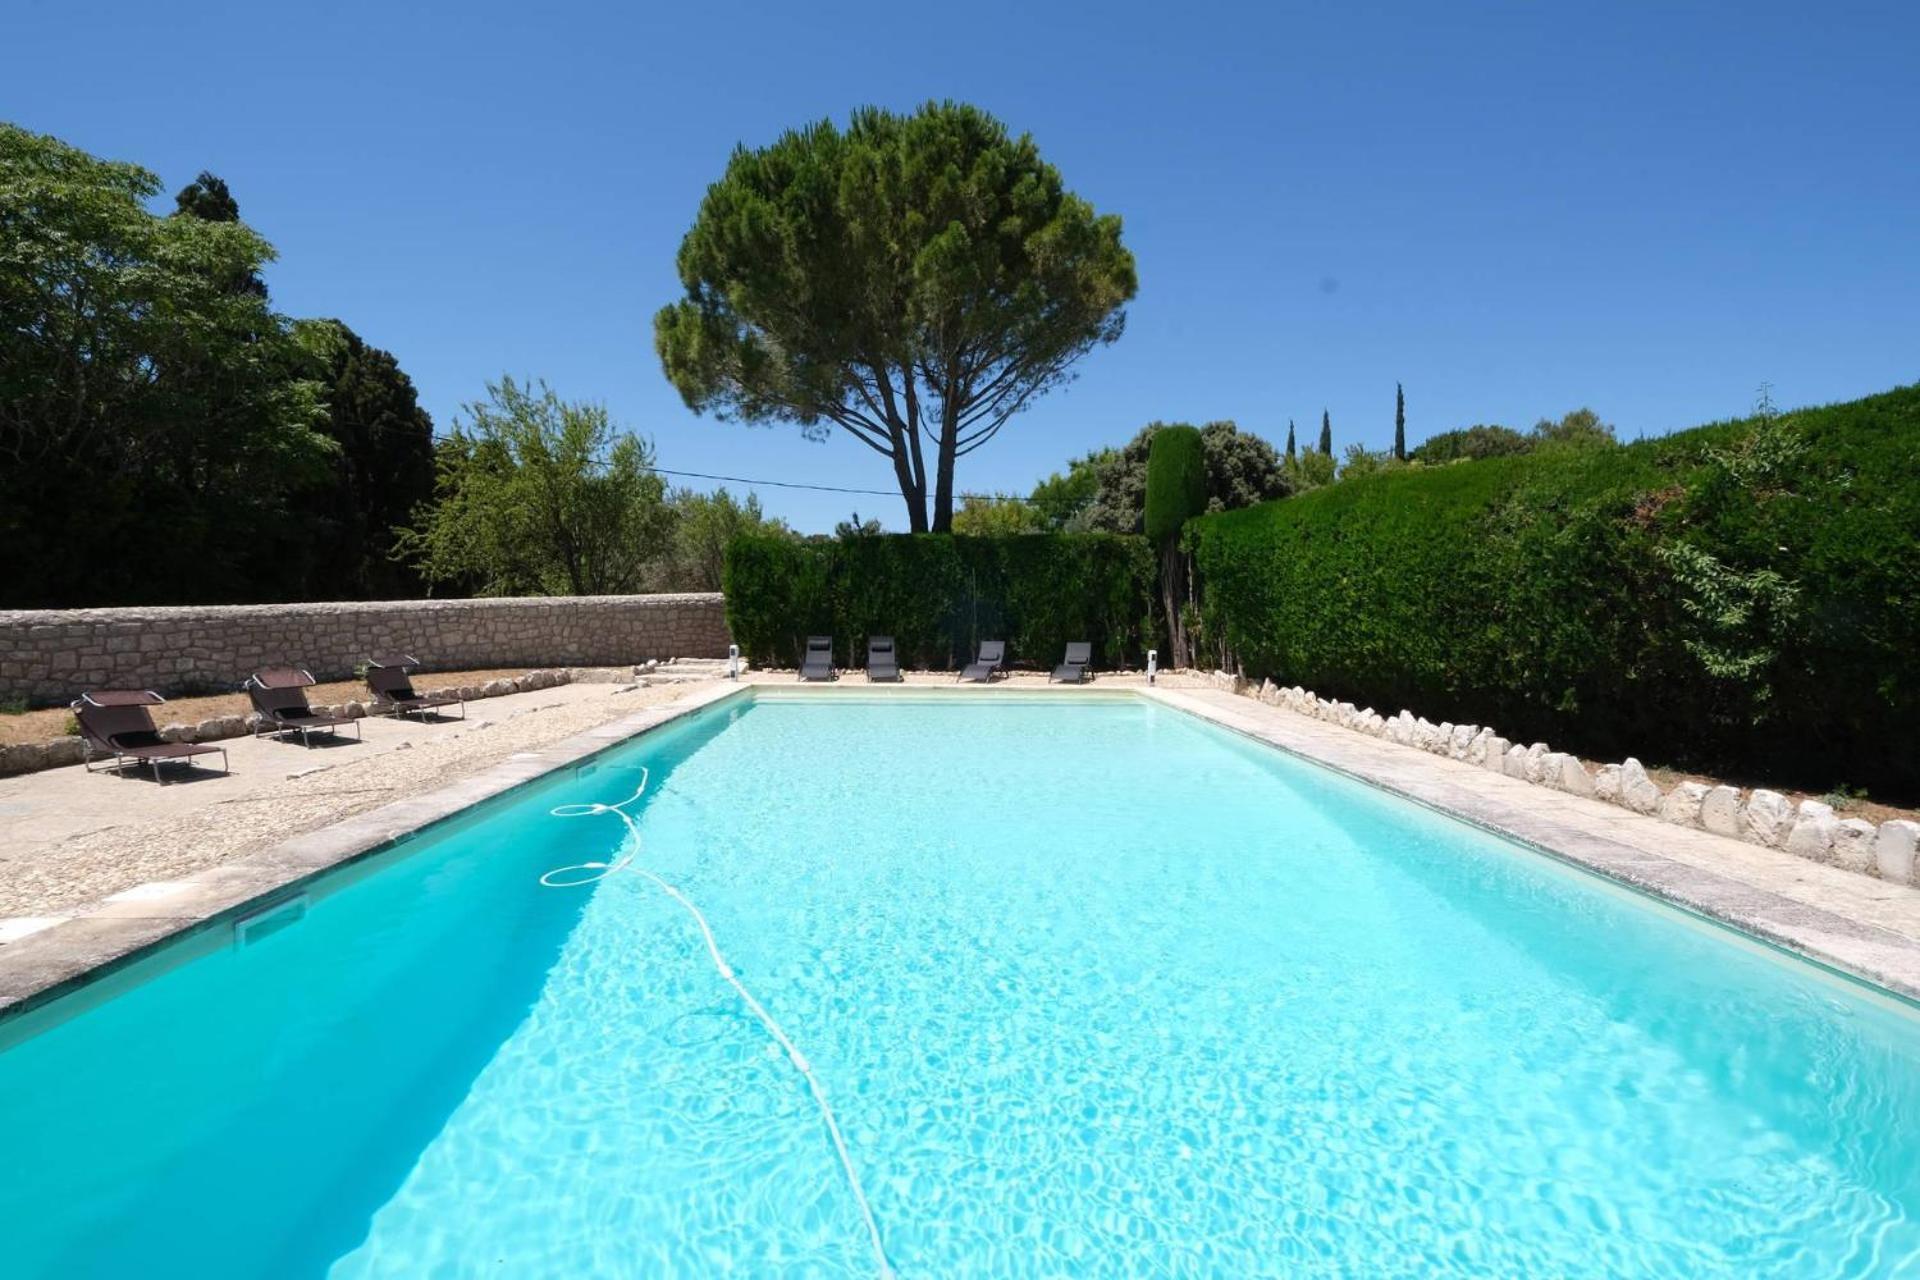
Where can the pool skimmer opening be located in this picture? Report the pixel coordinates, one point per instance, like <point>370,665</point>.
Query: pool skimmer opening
<point>585,873</point>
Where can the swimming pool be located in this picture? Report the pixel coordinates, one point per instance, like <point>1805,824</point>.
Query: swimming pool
<point>1092,988</point>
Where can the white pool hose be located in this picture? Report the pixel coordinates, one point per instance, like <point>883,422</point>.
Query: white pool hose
<point>584,873</point>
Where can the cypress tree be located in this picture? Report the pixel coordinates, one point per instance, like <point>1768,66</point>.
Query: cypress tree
<point>1326,434</point>
<point>1399,423</point>
<point>1291,455</point>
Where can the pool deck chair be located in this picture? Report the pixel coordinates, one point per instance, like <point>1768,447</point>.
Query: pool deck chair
<point>986,662</point>
<point>393,692</point>
<point>882,662</point>
<point>817,664</point>
<point>1073,668</point>
<point>117,723</point>
<point>279,697</point>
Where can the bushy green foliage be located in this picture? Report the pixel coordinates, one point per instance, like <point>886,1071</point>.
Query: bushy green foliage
<point>1176,481</point>
<point>938,595</point>
<point>1738,596</point>
<point>1242,469</point>
<point>982,515</point>
<point>166,437</point>
<point>541,496</point>
<point>1482,440</point>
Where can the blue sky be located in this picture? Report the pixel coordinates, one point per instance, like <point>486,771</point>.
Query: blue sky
<point>1513,209</point>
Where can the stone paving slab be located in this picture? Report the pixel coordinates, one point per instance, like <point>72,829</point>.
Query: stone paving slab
<point>1867,928</point>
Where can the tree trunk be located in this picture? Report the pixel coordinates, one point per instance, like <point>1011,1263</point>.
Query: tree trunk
<point>1173,593</point>
<point>943,473</point>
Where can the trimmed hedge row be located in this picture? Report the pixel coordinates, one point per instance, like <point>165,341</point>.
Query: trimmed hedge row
<point>1742,596</point>
<point>938,595</point>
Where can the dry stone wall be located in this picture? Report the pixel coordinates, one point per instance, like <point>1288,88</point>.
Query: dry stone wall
<point>50,656</point>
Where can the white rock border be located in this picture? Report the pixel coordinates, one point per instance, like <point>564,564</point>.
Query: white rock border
<point>1890,851</point>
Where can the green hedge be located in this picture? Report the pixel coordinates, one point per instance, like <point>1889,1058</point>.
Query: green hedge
<point>1176,481</point>
<point>1742,597</point>
<point>938,595</point>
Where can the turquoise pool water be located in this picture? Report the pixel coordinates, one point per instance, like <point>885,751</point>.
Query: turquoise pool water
<point>1093,988</point>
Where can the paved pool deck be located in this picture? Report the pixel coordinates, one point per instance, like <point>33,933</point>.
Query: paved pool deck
<point>97,871</point>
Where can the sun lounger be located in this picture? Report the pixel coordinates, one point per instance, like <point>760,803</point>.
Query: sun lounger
<point>817,664</point>
<point>117,723</point>
<point>393,692</point>
<point>882,662</point>
<point>279,697</point>
<point>1073,668</point>
<point>986,661</point>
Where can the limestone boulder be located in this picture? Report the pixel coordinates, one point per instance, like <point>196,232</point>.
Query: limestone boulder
<point>1463,735</point>
<point>1853,845</point>
<point>1496,757</point>
<point>1720,811</point>
<point>1638,792</point>
<point>23,757</point>
<point>1893,851</point>
<point>63,751</point>
<point>1813,830</point>
<point>1766,818</point>
<point>1516,762</point>
<point>1606,784</point>
<point>174,731</point>
<point>1683,803</point>
<point>1535,767</point>
<point>1574,778</point>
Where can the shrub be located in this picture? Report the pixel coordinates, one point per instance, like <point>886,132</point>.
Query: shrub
<point>1176,481</point>
<point>938,595</point>
<point>1741,596</point>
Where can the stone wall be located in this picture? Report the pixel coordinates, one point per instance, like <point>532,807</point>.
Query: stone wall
<point>50,656</point>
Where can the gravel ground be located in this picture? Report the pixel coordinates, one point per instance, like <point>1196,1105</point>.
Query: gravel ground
<point>75,838</point>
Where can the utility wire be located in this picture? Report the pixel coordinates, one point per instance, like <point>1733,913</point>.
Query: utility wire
<point>790,484</point>
<point>778,484</point>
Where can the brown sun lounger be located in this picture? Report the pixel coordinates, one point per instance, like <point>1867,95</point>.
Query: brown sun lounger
<point>389,681</point>
<point>279,696</point>
<point>117,723</point>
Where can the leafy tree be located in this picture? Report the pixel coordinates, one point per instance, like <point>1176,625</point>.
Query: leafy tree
<point>541,496</point>
<point>1478,441</point>
<point>1399,422</point>
<point>1065,501</point>
<point>382,471</point>
<point>1326,434</point>
<point>1292,452</point>
<point>855,527</point>
<point>208,199</point>
<point>912,280</point>
<point>1242,469</point>
<point>981,515</point>
<point>703,525</point>
<point>1310,470</point>
<point>155,427</point>
<point>1581,429</point>
<point>1362,461</point>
